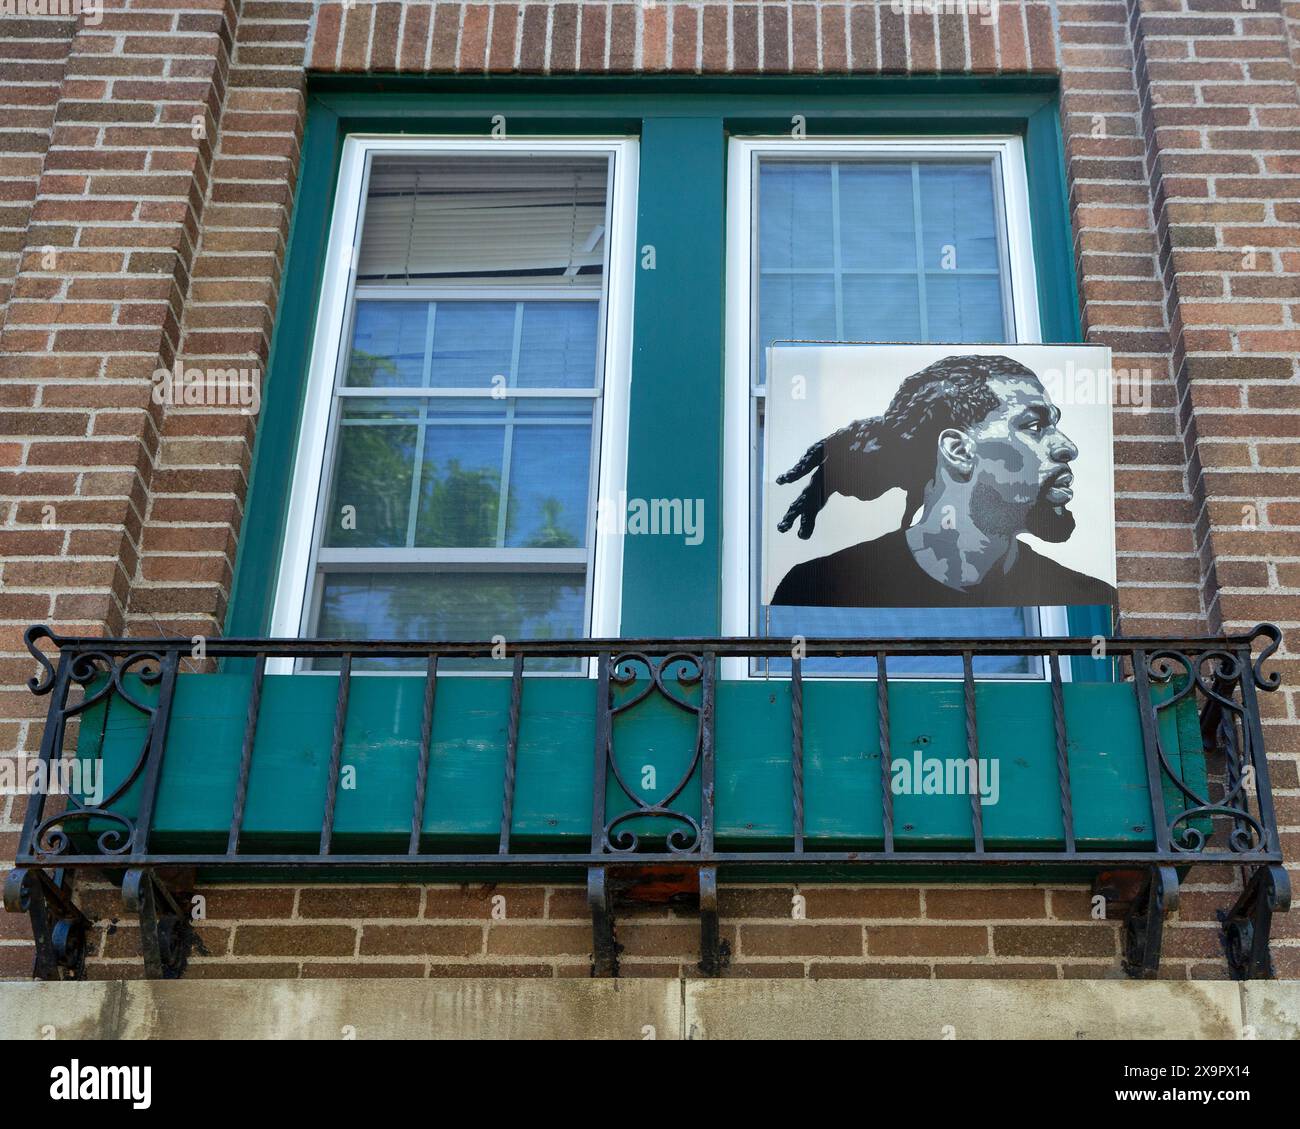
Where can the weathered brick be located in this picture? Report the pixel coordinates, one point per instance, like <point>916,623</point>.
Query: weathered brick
<point>532,43</point>
<point>927,940</point>
<point>359,902</point>
<point>295,940</point>
<point>984,905</point>
<point>744,38</point>
<point>1054,940</point>
<point>509,939</point>
<point>421,940</point>
<point>484,903</point>
<point>686,27</point>
<point>799,938</point>
<point>593,35</point>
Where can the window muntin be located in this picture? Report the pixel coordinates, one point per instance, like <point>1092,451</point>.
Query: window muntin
<point>462,449</point>
<point>870,241</point>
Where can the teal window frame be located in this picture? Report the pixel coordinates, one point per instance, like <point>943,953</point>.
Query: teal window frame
<point>675,446</point>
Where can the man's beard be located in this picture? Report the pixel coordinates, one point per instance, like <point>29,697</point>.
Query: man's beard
<point>996,516</point>
<point>1052,522</point>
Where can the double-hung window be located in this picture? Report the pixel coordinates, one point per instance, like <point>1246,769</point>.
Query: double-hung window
<point>867,241</point>
<point>466,393</point>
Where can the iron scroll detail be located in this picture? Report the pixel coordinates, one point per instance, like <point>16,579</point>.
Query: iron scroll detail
<point>1273,634</point>
<point>53,835</point>
<point>686,670</point>
<point>1221,682</point>
<point>43,683</point>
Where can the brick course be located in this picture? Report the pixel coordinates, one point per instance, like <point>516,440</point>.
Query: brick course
<point>147,168</point>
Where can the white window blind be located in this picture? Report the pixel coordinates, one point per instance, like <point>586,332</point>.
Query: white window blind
<point>443,219</point>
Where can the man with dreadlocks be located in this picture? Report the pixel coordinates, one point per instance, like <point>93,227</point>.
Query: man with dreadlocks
<point>974,444</point>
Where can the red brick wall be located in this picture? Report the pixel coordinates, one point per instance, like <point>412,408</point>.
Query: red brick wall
<point>1183,155</point>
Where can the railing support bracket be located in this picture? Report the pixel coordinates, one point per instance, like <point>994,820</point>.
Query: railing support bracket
<point>1145,925</point>
<point>166,938</point>
<point>1247,924</point>
<point>715,954</point>
<point>604,948</point>
<point>59,928</point>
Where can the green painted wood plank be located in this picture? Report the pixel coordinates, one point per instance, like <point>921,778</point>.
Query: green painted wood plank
<point>553,801</point>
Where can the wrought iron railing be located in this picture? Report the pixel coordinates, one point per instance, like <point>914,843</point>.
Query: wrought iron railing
<point>1230,819</point>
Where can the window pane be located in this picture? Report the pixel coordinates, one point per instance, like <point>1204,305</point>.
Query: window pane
<point>471,445</point>
<point>794,220</point>
<point>964,307</point>
<point>460,480</point>
<point>957,211</point>
<point>881,307</point>
<point>877,225</point>
<point>388,343</point>
<point>557,348</point>
<point>550,475</point>
<point>842,258</point>
<point>472,343</point>
<point>864,250</point>
<point>446,606</point>
<point>374,457</point>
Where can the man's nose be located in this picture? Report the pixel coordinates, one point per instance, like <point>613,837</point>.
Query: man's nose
<point>1064,450</point>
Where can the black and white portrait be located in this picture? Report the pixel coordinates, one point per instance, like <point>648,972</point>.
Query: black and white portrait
<point>938,476</point>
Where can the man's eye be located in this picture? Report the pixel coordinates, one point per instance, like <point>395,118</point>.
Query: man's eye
<point>1037,427</point>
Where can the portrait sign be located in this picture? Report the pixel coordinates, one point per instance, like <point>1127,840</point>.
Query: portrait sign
<point>938,476</point>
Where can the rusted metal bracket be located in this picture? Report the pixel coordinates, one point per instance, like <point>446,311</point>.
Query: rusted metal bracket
<point>1247,924</point>
<point>1145,925</point>
<point>685,887</point>
<point>59,928</point>
<point>167,938</point>
<point>714,952</point>
<point>604,948</point>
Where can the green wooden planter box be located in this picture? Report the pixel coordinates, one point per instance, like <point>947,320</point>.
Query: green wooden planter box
<point>553,801</point>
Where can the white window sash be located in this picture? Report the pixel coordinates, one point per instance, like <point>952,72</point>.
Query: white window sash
<point>741,494</point>
<point>295,582</point>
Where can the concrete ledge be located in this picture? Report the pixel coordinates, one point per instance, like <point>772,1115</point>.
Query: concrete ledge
<point>967,1009</point>
<point>339,1009</point>
<point>649,1008</point>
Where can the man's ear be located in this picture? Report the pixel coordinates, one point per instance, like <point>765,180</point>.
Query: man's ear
<point>957,452</point>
